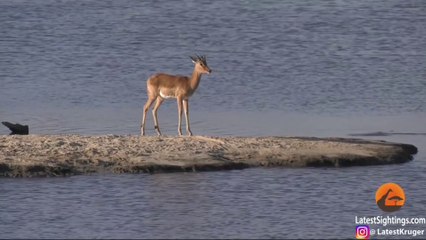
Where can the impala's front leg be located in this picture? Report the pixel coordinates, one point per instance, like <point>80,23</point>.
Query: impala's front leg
<point>186,110</point>
<point>179,103</point>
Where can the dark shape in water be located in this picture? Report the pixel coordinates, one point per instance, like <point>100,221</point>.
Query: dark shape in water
<point>17,129</point>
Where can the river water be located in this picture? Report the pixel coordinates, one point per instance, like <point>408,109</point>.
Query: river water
<point>286,68</point>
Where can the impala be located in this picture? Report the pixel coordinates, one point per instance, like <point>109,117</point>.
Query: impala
<point>162,86</point>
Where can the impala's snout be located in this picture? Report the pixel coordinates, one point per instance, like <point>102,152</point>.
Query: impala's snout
<point>207,70</point>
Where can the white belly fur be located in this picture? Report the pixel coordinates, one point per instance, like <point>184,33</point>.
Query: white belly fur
<point>164,96</point>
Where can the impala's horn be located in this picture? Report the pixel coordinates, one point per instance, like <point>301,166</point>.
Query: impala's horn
<point>197,58</point>
<point>194,59</point>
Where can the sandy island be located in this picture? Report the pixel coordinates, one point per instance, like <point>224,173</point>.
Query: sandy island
<point>63,155</point>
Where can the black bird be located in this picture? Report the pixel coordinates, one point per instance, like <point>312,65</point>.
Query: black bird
<point>17,128</point>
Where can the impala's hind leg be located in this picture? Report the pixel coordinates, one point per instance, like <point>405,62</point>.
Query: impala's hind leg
<point>154,114</point>
<point>145,110</point>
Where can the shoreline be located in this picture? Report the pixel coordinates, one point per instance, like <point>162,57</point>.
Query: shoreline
<point>66,155</point>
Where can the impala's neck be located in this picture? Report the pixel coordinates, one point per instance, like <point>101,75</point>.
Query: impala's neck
<point>195,79</point>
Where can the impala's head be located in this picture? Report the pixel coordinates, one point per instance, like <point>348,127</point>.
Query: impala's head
<point>201,64</point>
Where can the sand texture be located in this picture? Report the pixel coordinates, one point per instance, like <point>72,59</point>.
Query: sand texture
<point>62,155</point>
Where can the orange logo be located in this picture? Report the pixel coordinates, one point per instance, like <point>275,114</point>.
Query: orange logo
<point>390,197</point>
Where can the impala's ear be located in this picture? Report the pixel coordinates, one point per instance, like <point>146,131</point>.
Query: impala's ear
<point>194,60</point>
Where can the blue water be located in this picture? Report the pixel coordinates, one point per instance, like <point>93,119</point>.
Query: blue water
<point>288,68</point>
